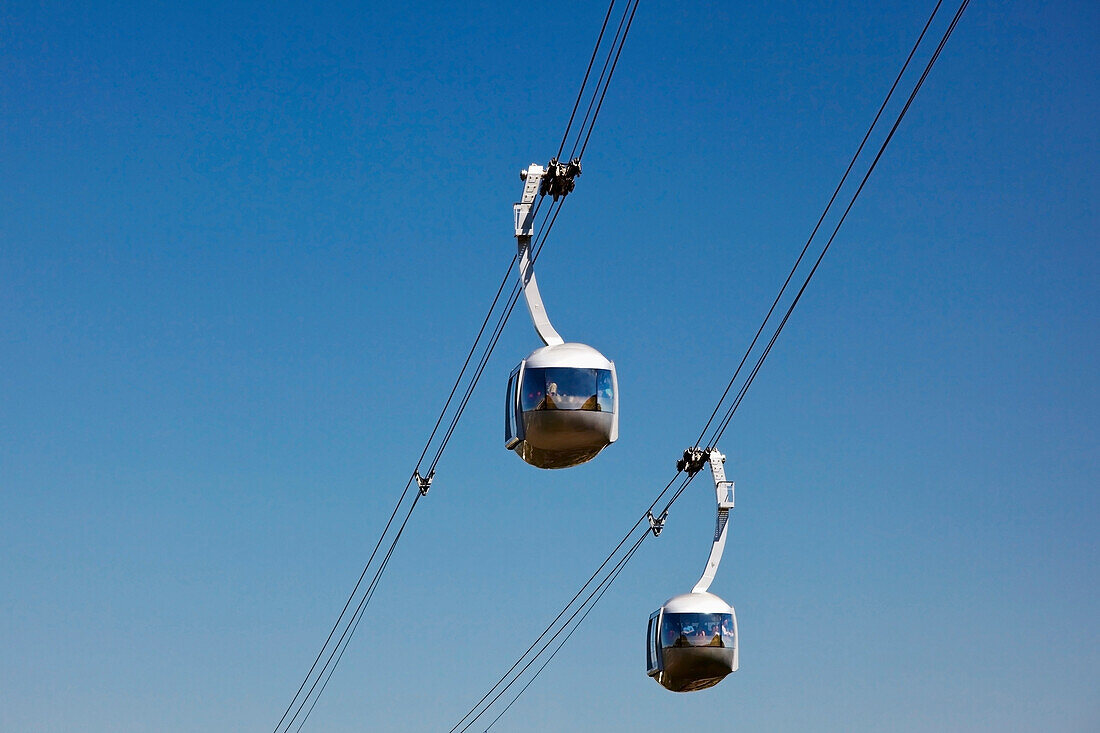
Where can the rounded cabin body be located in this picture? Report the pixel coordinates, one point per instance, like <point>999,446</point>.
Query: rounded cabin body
<point>692,642</point>
<point>562,406</point>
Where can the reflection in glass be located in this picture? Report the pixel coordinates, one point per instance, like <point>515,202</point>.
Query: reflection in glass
<point>697,629</point>
<point>567,388</point>
<point>605,391</point>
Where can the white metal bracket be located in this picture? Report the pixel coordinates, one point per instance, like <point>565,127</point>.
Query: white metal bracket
<point>723,491</point>
<point>523,212</point>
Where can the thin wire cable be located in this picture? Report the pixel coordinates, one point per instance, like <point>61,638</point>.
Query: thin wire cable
<point>352,624</point>
<point>599,83</point>
<point>563,610</point>
<point>479,370</point>
<point>401,498</point>
<point>328,666</point>
<point>607,584</point>
<point>607,579</point>
<point>487,352</point>
<point>569,605</point>
<point>604,92</point>
<point>604,79</point>
<point>584,82</point>
<point>404,492</point>
<point>882,149</point>
<point>498,330</point>
<point>369,593</point>
<point>540,240</point>
<point>549,641</point>
<point>821,219</point>
<point>346,604</point>
<point>358,615</point>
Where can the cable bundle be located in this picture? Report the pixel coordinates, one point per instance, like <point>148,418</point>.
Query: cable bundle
<point>332,651</point>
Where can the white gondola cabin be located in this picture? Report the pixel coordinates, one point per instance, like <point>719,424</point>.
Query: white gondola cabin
<point>562,406</point>
<point>692,642</point>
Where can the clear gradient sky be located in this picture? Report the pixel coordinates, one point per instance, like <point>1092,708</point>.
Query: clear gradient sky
<point>244,247</point>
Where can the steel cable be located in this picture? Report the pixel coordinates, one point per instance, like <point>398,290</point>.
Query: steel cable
<point>566,608</point>
<point>584,82</point>
<point>349,630</point>
<point>603,94</point>
<point>882,149</point>
<point>369,592</point>
<point>334,657</point>
<point>607,584</point>
<point>604,80</point>
<point>820,219</point>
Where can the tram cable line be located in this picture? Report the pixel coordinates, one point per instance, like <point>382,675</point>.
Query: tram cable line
<point>882,149</point>
<point>817,226</point>
<point>400,501</point>
<point>337,650</point>
<point>611,579</point>
<point>756,368</point>
<point>653,528</point>
<point>613,59</point>
<point>345,638</point>
<point>347,604</point>
<point>513,299</point>
<point>424,482</point>
<point>496,691</point>
<point>397,507</point>
<point>584,81</point>
<point>565,609</point>
<point>589,603</point>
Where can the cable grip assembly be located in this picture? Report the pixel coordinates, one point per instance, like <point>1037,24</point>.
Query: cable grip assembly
<point>424,482</point>
<point>656,524</point>
<point>558,180</point>
<point>693,461</point>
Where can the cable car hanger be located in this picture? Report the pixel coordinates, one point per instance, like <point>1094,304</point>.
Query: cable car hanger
<point>562,402</point>
<point>555,180</point>
<point>536,182</point>
<point>692,638</point>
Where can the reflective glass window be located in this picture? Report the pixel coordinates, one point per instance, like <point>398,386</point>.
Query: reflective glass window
<point>697,629</point>
<point>605,390</point>
<point>567,388</point>
<point>534,390</point>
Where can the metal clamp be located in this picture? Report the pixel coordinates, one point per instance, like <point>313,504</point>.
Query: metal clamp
<point>693,461</point>
<point>423,482</point>
<point>657,523</point>
<point>559,178</point>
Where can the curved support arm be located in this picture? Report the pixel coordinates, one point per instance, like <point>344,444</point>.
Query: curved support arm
<point>524,216</point>
<point>724,493</point>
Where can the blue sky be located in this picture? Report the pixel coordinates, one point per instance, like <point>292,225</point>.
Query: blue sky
<point>243,251</point>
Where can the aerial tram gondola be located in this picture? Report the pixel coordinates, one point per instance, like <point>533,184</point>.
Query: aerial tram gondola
<point>562,404</point>
<point>692,638</point>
